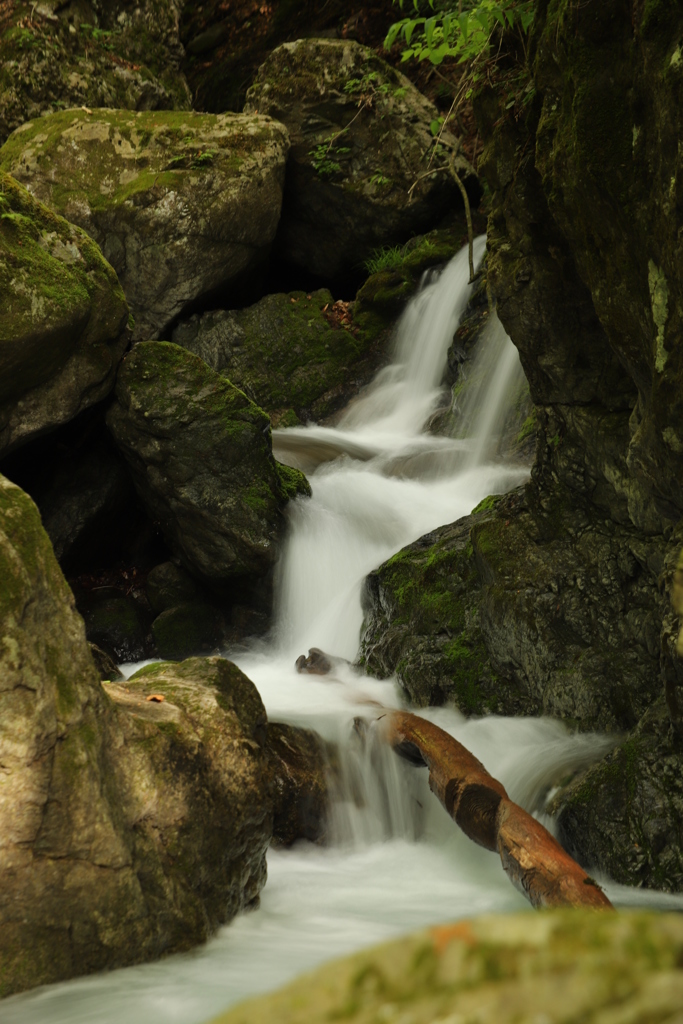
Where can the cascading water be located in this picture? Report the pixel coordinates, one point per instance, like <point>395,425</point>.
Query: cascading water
<point>396,861</point>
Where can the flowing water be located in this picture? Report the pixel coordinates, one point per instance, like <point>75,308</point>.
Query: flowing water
<point>395,862</point>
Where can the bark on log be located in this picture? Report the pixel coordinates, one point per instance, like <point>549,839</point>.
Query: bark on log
<point>532,859</point>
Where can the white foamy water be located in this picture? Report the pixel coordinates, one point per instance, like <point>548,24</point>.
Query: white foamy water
<point>396,861</point>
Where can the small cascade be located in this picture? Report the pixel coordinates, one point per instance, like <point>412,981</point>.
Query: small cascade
<point>395,861</point>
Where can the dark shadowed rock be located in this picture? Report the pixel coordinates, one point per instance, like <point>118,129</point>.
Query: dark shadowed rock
<point>300,790</point>
<point>200,454</point>
<point>169,585</point>
<point>360,132</point>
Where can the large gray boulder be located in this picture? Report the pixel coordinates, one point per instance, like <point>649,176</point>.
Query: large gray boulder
<point>129,827</point>
<point>181,203</point>
<point>70,53</point>
<point>63,319</point>
<point>361,138</point>
<point>200,454</point>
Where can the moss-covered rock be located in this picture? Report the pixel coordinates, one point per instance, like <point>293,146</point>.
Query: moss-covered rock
<point>117,624</point>
<point>181,203</point>
<point>57,55</point>
<point>360,139</point>
<point>523,609</point>
<point>422,623</point>
<point>169,585</point>
<point>559,965</point>
<point>287,352</point>
<point>131,827</point>
<point>201,458</point>
<point>62,319</point>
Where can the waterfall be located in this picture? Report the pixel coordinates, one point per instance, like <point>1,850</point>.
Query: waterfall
<point>396,861</point>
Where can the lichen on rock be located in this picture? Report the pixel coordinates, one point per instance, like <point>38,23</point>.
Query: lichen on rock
<point>361,140</point>
<point>56,55</point>
<point>63,319</point>
<point>182,204</point>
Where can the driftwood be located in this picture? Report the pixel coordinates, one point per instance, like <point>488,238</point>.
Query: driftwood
<point>533,860</point>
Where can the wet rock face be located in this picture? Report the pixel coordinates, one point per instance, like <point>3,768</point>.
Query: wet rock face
<point>347,182</point>
<point>182,204</point>
<point>624,816</point>
<point>201,459</point>
<point>63,319</point>
<point>56,55</point>
<point>130,827</point>
<point>299,780</point>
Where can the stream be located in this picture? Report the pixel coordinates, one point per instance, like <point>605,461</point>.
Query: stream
<point>395,861</point>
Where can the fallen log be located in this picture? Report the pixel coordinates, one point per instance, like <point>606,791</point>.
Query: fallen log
<point>532,859</point>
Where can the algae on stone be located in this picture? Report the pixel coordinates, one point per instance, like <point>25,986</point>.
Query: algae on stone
<point>63,319</point>
<point>181,203</point>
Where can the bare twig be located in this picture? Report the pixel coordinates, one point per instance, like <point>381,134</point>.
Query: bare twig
<point>468,216</point>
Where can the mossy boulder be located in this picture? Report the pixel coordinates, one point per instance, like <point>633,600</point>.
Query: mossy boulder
<point>521,609</point>
<point>63,319</point>
<point>423,624</point>
<point>559,966</point>
<point>361,138</point>
<point>290,352</point>
<point>56,55</point>
<point>131,827</point>
<point>201,458</point>
<point>182,204</point>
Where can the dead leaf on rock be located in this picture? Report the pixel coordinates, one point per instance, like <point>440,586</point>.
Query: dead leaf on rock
<point>156,697</point>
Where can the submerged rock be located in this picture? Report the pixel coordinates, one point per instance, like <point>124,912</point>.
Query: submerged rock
<point>559,965</point>
<point>63,319</point>
<point>360,134</point>
<point>57,54</point>
<point>201,458</point>
<point>182,204</point>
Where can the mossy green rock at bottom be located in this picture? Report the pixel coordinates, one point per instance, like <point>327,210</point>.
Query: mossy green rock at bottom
<point>55,55</point>
<point>183,204</point>
<point>201,458</point>
<point>560,966</point>
<point>130,827</point>
<point>361,139</point>
<point>63,319</point>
